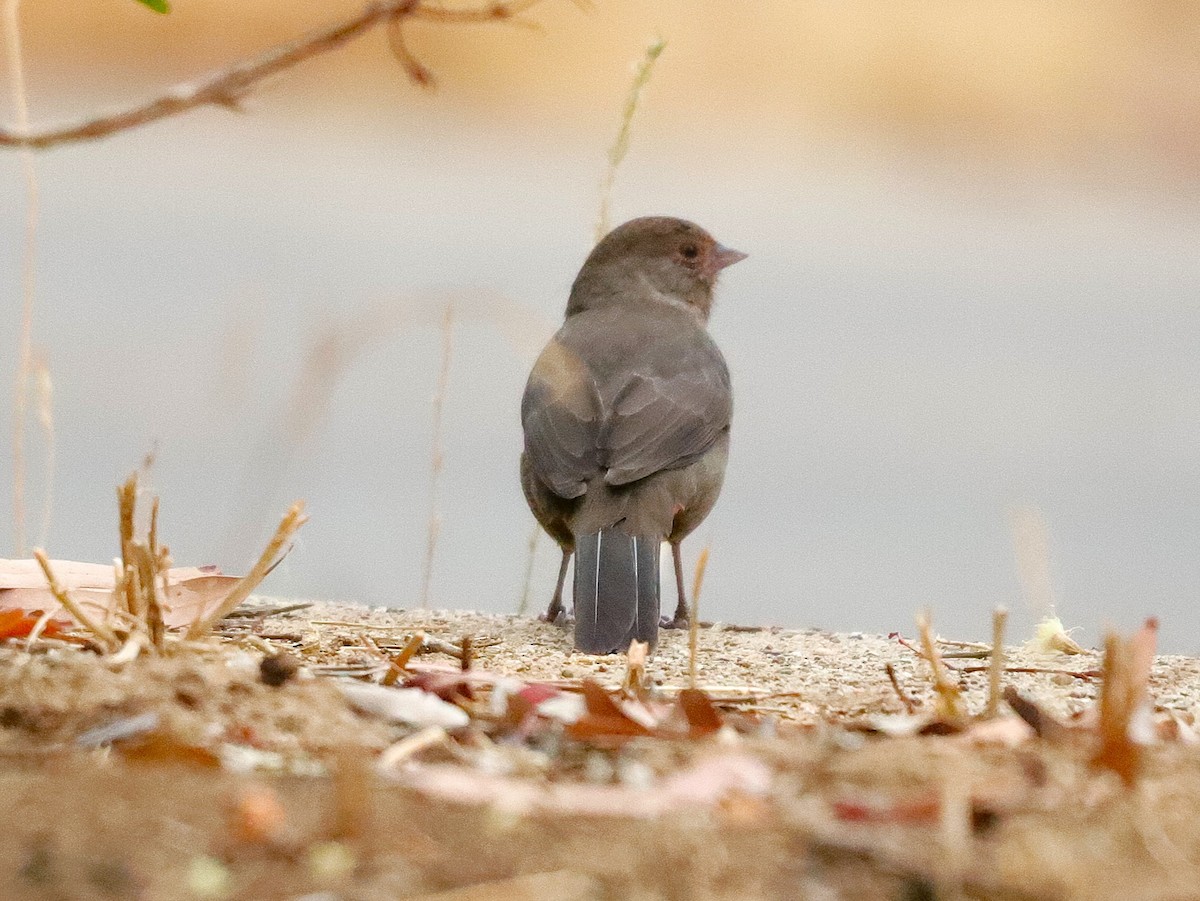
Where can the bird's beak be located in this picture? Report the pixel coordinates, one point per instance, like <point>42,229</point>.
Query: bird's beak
<point>723,256</point>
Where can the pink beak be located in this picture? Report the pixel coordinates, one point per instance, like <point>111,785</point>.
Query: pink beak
<point>723,256</point>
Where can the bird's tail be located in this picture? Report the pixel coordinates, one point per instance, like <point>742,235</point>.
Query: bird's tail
<point>616,590</point>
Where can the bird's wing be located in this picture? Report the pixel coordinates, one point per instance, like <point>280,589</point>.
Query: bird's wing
<point>667,416</point>
<point>561,415</point>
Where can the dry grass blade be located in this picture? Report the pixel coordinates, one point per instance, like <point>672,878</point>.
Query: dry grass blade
<point>531,557</point>
<point>620,146</point>
<point>436,452</point>
<point>950,703</point>
<point>45,415</point>
<point>1123,699</point>
<point>288,526</point>
<point>16,77</point>
<point>104,634</point>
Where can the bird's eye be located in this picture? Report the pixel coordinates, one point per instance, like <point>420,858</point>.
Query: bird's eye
<point>690,251</point>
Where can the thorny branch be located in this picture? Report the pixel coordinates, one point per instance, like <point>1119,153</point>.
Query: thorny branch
<point>227,87</point>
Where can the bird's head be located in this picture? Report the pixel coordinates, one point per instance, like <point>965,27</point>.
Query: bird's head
<point>655,259</point>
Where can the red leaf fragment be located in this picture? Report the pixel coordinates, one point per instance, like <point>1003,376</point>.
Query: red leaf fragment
<point>702,716</point>
<point>910,812</point>
<point>17,623</point>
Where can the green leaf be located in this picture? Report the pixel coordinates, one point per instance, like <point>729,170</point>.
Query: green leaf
<point>159,6</point>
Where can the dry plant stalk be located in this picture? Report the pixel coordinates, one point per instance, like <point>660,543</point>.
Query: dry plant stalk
<point>436,452</point>
<point>1123,698</point>
<point>45,415</point>
<point>531,556</point>
<point>620,146</point>
<point>910,706</point>
<point>949,699</point>
<point>288,526</point>
<point>99,630</point>
<point>635,668</point>
<point>694,619</point>
<point>996,669</point>
<point>16,77</point>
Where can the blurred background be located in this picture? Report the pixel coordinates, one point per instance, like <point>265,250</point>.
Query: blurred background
<point>972,287</point>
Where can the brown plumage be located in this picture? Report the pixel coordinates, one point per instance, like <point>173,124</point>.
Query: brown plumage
<point>626,417</point>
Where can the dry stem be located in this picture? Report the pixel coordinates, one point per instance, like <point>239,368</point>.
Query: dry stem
<point>16,76</point>
<point>910,705</point>
<point>620,145</point>
<point>45,413</point>
<point>527,585</point>
<point>436,451</point>
<point>288,526</point>
<point>227,87</point>
<point>996,670</point>
<point>100,630</point>
<point>950,702</point>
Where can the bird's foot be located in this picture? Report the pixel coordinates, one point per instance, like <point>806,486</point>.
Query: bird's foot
<point>679,622</point>
<point>559,618</point>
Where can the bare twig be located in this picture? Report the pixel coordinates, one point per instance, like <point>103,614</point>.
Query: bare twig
<point>436,451</point>
<point>1034,670</point>
<point>16,77</point>
<point>227,87</point>
<point>620,145</point>
<point>996,670</point>
<point>288,526</point>
<point>910,705</point>
<point>100,630</point>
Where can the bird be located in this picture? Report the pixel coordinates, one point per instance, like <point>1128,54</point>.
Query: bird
<point>626,418</point>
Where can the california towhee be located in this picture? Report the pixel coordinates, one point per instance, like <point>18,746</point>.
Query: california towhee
<point>626,417</point>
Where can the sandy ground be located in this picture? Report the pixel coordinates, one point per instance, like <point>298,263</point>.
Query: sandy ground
<point>186,776</point>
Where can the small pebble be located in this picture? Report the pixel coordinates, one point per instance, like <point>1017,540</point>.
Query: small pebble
<point>278,669</point>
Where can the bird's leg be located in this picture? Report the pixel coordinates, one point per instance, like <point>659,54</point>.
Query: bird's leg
<point>554,613</point>
<point>680,621</point>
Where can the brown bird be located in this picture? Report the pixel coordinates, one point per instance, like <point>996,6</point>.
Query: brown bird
<point>626,417</point>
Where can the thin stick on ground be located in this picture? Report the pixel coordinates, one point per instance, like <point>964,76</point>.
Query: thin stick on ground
<point>16,78</point>
<point>228,87</point>
<point>996,670</point>
<point>620,146</point>
<point>98,629</point>
<point>694,617</point>
<point>288,526</point>
<point>436,452</point>
<point>910,706</point>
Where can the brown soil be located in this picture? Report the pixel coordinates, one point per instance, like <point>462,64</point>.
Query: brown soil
<point>185,776</point>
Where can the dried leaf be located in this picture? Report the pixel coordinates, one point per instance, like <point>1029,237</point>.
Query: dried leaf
<point>605,720</point>
<point>702,716</point>
<point>191,591</point>
<point>19,624</point>
<point>161,747</point>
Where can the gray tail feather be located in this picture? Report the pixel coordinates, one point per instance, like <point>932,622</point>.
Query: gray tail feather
<point>616,591</point>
